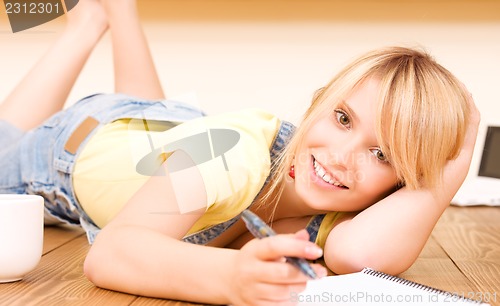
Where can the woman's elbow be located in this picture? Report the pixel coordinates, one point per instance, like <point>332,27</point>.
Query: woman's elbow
<point>343,262</point>
<point>99,261</point>
<point>92,267</point>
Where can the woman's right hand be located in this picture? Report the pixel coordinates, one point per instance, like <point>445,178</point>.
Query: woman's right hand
<point>260,275</point>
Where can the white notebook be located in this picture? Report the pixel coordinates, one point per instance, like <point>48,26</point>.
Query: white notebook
<point>370,287</point>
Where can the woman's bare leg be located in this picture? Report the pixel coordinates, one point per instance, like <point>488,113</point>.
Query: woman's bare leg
<point>134,70</point>
<point>45,88</point>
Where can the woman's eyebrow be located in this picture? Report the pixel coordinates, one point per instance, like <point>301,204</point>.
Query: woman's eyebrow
<point>349,110</point>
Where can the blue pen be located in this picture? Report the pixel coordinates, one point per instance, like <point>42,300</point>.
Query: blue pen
<point>259,229</point>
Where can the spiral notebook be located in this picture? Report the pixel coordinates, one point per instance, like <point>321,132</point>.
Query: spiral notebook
<point>370,287</point>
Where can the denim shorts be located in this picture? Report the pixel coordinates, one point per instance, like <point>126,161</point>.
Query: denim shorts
<point>10,178</point>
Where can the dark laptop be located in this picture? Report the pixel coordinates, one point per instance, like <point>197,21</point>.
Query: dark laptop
<point>484,188</point>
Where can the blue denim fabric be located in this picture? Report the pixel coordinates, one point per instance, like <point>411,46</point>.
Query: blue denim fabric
<point>10,177</point>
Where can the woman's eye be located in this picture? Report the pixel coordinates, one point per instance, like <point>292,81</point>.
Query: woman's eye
<point>379,155</point>
<point>343,118</point>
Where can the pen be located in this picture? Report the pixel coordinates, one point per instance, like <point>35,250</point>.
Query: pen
<point>259,229</point>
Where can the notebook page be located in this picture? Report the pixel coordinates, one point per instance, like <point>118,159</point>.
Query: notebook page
<point>364,289</point>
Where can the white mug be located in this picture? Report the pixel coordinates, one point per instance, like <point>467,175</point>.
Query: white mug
<point>21,235</point>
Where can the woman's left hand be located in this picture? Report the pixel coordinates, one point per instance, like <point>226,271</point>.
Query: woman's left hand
<point>455,171</point>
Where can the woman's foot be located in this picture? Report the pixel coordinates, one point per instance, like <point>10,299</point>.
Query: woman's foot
<point>89,18</point>
<point>117,10</point>
<point>118,6</point>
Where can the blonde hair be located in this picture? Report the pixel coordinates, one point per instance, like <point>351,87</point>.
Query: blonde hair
<point>422,114</point>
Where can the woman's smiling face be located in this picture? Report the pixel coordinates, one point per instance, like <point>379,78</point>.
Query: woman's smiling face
<point>339,166</point>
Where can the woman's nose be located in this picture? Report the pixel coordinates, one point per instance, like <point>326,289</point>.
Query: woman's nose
<point>344,153</point>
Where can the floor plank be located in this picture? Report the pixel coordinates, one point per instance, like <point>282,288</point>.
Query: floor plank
<point>55,236</point>
<point>471,238</point>
<point>143,301</point>
<point>435,267</point>
<point>59,280</point>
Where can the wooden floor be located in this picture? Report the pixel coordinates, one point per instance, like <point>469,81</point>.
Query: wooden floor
<point>462,256</point>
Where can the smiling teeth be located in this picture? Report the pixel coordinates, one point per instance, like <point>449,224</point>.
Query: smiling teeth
<point>321,172</point>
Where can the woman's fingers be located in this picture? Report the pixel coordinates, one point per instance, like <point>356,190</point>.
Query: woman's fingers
<point>285,273</point>
<point>262,275</point>
<point>271,253</point>
<point>302,235</point>
<point>276,247</point>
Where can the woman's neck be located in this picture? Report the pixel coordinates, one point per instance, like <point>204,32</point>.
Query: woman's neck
<point>289,205</point>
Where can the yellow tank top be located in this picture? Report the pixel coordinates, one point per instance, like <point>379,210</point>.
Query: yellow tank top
<point>105,175</point>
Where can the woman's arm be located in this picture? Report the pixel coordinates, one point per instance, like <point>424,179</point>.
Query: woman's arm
<point>140,252</point>
<point>389,235</point>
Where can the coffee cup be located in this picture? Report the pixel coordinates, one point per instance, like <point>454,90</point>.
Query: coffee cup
<point>21,235</point>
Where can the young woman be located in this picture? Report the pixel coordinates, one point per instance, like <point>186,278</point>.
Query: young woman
<point>160,188</point>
